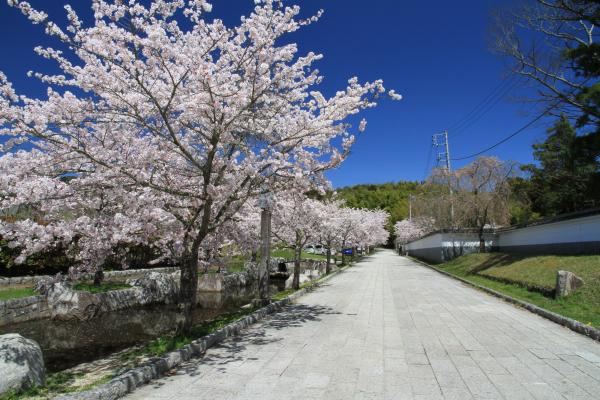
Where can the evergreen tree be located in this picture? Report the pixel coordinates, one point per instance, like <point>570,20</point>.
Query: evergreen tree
<point>568,174</point>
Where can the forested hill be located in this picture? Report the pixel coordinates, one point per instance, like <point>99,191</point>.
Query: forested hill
<point>392,197</point>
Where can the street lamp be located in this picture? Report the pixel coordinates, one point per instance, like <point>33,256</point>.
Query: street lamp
<point>265,202</point>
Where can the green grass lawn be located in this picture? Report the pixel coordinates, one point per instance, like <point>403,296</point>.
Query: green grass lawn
<point>583,305</point>
<point>16,293</point>
<point>288,254</point>
<point>104,287</point>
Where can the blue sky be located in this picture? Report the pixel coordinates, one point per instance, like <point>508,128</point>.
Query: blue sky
<point>436,54</point>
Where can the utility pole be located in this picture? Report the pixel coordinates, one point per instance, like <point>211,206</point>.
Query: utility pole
<point>440,140</point>
<point>410,197</point>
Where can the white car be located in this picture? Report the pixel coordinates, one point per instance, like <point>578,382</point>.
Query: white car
<point>310,249</point>
<point>315,249</point>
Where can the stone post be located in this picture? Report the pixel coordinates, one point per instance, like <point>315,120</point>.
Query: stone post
<point>566,283</point>
<point>265,252</point>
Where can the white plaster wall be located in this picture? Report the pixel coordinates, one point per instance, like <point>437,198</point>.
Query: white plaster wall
<point>586,229</point>
<point>465,240</point>
<point>425,243</point>
<point>439,240</point>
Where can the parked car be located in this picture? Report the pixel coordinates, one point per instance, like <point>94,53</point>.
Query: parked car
<point>310,249</point>
<point>315,249</point>
<point>320,250</point>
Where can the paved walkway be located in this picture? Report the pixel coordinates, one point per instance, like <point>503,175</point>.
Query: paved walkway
<point>391,329</point>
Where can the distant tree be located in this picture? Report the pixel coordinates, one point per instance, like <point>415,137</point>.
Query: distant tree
<point>483,193</point>
<point>568,176</point>
<point>435,202</point>
<point>475,196</point>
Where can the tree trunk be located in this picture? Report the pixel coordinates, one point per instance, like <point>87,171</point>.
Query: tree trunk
<point>297,255</point>
<point>328,265</point>
<point>481,242</point>
<point>98,277</point>
<point>188,289</point>
<point>343,254</point>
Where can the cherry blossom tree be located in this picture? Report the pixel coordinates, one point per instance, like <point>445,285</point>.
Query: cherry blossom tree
<point>330,228</point>
<point>409,230</point>
<point>159,131</point>
<point>370,228</point>
<point>361,227</point>
<point>296,220</point>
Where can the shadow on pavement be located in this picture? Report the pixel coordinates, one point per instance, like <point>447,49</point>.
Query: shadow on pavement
<point>232,349</point>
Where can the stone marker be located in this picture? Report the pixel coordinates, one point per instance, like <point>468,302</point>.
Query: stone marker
<point>21,363</point>
<point>566,283</point>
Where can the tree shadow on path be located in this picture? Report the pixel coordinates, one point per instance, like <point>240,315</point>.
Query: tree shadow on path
<point>233,349</point>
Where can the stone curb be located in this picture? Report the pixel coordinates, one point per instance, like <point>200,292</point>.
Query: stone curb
<point>572,324</point>
<point>156,367</point>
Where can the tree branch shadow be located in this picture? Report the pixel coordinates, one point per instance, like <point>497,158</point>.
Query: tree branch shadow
<point>234,349</point>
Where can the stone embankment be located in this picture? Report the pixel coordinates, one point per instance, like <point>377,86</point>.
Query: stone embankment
<point>109,276</point>
<point>60,301</point>
<point>156,286</point>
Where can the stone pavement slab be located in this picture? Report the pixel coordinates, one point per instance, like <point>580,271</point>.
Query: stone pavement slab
<point>389,328</point>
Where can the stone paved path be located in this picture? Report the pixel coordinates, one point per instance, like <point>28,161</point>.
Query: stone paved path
<point>391,329</point>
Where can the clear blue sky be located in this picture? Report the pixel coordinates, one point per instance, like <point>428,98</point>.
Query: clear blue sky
<point>434,53</point>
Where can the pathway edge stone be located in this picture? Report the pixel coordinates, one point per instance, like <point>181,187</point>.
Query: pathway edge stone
<point>572,324</point>
<point>155,368</point>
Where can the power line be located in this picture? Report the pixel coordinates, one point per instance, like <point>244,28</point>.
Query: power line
<point>497,92</point>
<point>485,109</point>
<point>533,121</point>
<point>428,160</point>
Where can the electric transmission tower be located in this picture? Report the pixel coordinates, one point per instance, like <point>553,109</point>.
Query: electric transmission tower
<point>440,142</point>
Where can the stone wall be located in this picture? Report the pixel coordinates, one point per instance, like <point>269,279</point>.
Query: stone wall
<point>38,307</point>
<point>109,276</point>
<point>25,309</point>
<point>218,282</point>
<point>280,265</point>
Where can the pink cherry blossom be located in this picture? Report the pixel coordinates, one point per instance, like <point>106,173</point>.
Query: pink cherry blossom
<point>159,133</point>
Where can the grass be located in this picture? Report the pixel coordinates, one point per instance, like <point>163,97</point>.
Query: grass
<point>16,293</point>
<point>583,305</point>
<point>102,288</point>
<point>288,254</point>
<point>56,383</point>
<point>170,342</point>
<point>236,264</point>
